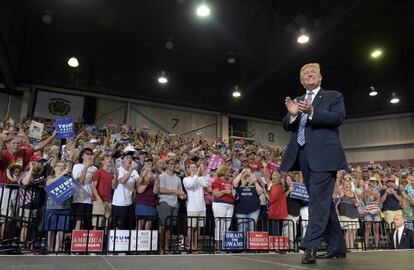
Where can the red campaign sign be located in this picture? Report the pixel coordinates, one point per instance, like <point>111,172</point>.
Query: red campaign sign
<point>79,238</point>
<point>258,240</point>
<point>278,243</point>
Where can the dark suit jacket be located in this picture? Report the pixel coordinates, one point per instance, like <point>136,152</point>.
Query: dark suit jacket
<point>324,149</point>
<point>407,239</point>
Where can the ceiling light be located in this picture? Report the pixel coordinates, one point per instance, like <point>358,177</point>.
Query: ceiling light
<point>376,53</point>
<point>303,38</point>
<point>394,99</point>
<point>203,10</point>
<point>47,17</point>
<point>236,92</point>
<point>231,59</point>
<point>373,92</point>
<point>73,62</point>
<point>162,79</point>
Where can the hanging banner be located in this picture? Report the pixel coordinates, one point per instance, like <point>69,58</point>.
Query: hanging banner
<point>52,105</point>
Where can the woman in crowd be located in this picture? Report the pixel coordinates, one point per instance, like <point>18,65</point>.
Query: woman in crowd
<point>278,207</point>
<point>372,211</point>
<point>293,208</point>
<point>247,206</point>
<point>196,207</point>
<point>146,200</point>
<point>57,217</point>
<point>223,203</point>
<point>348,213</point>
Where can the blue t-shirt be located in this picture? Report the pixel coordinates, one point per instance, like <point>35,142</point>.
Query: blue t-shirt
<point>248,199</point>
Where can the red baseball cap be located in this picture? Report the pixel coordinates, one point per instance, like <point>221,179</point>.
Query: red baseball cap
<point>37,158</point>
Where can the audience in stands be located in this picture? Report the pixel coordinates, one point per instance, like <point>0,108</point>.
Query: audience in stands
<point>145,180</point>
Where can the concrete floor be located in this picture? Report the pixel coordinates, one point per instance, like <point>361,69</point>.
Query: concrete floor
<point>387,260</point>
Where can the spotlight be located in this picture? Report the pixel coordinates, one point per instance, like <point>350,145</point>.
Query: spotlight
<point>303,38</point>
<point>373,92</point>
<point>73,62</point>
<point>376,53</point>
<point>236,92</point>
<point>203,10</point>
<point>162,79</point>
<point>394,99</point>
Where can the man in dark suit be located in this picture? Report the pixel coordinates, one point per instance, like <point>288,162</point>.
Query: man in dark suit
<point>402,237</point>
<point>315,149</point>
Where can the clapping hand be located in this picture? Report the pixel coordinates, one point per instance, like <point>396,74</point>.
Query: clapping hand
<point>305,107</point>
<point>291,106</point>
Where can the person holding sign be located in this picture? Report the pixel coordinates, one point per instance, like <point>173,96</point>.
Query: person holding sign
<point>57,217</point>
<point>315,149</point>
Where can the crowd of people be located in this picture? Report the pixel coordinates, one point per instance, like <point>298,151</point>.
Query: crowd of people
<point>136,179</point>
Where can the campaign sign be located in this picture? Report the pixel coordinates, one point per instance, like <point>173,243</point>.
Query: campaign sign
<point>258,240</point>
<point>126,240</point>
<point>215,162</point>
<point>64,128</point>
<point>82,242</point>
<point>147,240</point>
<point>278,243</point>
<point>36,130</point>
<point>62,189</point>
<point>299,192</point>
<point>233,240</point>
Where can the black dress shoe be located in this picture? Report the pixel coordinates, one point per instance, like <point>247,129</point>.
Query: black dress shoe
<point>331,255</point>
<point>309,257</point>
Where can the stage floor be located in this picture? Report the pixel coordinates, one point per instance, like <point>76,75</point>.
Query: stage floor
<point>389,260</point>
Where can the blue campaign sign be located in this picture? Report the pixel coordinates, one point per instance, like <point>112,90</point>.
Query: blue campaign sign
<point>233,240</point>
<point>62,189</point>
<point>64,128</point>
<point>299,192</point>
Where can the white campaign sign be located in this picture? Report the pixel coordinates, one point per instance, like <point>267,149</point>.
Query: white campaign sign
<point>126,240</point>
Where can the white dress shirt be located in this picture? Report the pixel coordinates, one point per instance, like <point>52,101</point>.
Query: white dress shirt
<point>400,233</point>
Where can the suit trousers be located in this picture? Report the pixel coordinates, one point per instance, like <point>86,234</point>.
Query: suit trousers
<point>323,220</point>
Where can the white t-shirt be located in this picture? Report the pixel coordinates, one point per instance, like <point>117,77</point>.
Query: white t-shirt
<point>84,194</point>
<point>123,192</point>
<point>194,185</point>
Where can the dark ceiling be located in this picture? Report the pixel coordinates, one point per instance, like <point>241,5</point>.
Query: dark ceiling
<point>121,49</point>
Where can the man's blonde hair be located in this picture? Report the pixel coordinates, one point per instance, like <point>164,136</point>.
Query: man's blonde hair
<point>310,65</point>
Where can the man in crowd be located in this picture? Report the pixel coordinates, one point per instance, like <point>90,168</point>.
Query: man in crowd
<point>391,199</point>
<point>31,195</point>
<point>82,199</point>
<point>104,181</point>
<point>170,189</point>
<point>402,237</point>
<point>122,204</point>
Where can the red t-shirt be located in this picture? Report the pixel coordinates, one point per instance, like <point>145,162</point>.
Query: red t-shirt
<point>221,184</point>
<point>9,158</point>
<point>104,186</point>
<point>278,205</point>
